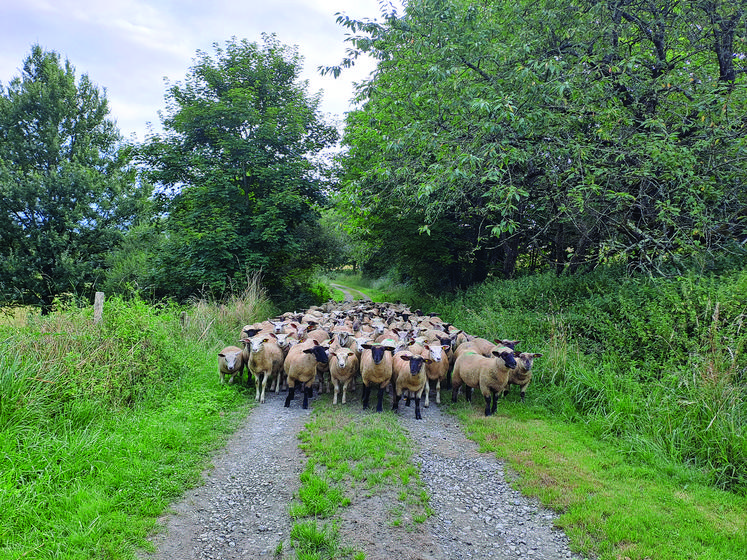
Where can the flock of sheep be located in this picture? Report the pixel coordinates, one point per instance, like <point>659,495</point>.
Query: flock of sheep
<point>384,345</point>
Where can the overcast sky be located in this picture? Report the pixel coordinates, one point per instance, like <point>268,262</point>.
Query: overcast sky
<point>128,47</point>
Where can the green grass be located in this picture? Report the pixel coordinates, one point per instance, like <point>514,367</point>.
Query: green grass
<point>377,290</point>
<point>102,426</point>
<point>352,454</point>
<point>611,506</point>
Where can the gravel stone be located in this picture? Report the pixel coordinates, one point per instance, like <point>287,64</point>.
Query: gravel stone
<point>241,510</point>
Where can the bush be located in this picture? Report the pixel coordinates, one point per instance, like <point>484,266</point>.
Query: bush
<point>656,365</point>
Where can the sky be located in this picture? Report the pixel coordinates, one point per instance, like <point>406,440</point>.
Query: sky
<point>128,47</point>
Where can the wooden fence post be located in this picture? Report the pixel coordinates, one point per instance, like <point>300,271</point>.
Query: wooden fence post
<point>98,307</point>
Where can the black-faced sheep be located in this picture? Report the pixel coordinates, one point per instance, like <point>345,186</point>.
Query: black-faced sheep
<point>490,374</point>
<point>376,369</point>
<point>409,375</point>
<point>300,368</point>
<point>521,375</point>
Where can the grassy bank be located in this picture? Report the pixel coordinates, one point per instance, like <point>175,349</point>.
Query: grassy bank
<point>634,426</point>
<point>102,426</point>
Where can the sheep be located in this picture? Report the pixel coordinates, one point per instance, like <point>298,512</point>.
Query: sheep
<point>436,368</point>
<point>521,375</point>
<point>343,367</point>
<point>376,369</point>
<point>408,375</point>
<point>230,362</point>
<point>265,361</point>
<point>490,374</point>
<point>300,367</point>
<point>249,331</point>
<point>285,341</point>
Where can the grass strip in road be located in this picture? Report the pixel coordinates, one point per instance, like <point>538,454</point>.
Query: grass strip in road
<point>351,455</point>
<point>611,507</point>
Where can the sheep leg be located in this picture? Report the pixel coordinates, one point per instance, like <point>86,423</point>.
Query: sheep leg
<point>496,394</point>
<point>468,393</point>
<point>345,391</point>
<point>523,394</point>
<point>395,403</point>
<point>307,394</point>
<point>256,384</point>
<point>265,378</point>
<point>418,416</point>
<point>380,400</point>
<point>289,398</point>
<point>408,397</point>
<point>438,393</point>
<point>366,395</point>
<point>492,396</point>
<point>276,386</point>
<point>454,393</point>
<point>427,391</point>
<point>336,385</point>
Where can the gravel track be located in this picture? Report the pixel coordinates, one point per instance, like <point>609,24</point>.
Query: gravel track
<point>240,511</point>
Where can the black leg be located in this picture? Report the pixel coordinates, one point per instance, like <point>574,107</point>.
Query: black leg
<point>395,403</point>
<point>468,393</point>
<point>366,395</point>
<point>289,398</point>
<point>307,393</point>
<point>380,400</point>
<point>454,393</point>
<point>417,409</point>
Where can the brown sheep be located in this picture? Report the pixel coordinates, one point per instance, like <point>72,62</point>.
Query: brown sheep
<point>376,369</point>
<point>521,375</point>
<point>343,367</point>
<point>490,374</point>
<point>230,362</point>
<point>409,375</point>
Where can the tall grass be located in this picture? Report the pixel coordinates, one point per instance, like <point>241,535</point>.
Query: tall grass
<point>101,425</point>
<point>656,366</point>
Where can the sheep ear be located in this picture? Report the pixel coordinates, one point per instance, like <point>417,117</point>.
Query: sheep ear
<point>406,358</point>
<point>221,354</point>
<point>536,355</point>
<point>308,351</point>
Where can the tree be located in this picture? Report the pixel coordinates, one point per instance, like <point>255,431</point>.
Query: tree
<point>237,171</point>
<point>67,189</point>
<point>566,133</point>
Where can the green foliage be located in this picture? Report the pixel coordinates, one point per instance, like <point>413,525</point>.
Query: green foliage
<point>547,134</point>
<point>102,426</point>
<point>67,187</point>
<point>655,365</point>
<point>237,175</point>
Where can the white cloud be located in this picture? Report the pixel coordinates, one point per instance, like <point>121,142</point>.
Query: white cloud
<point>129,46</point>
